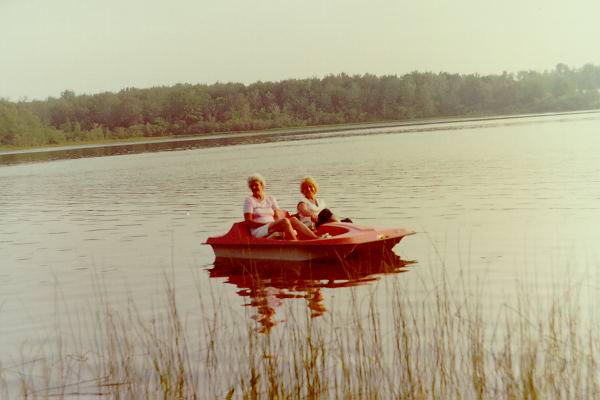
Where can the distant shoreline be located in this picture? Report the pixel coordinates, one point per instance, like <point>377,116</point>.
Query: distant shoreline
<point>280,132</point>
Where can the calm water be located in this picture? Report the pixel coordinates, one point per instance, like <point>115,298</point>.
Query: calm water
<point>500,206</point>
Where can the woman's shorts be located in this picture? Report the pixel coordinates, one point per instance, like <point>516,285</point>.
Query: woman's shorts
<point>261,231</point>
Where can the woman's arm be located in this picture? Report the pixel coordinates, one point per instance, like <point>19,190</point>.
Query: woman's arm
<point>303,210</point>
<point>249,218</point>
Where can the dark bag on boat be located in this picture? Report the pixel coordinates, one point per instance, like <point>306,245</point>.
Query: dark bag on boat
<point>326,216</point>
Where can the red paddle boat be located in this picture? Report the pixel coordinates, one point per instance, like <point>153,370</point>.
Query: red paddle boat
<point>337,240</point>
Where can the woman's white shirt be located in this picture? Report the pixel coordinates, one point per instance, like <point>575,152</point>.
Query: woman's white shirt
<point>263,211</point>
<point>312,207</point>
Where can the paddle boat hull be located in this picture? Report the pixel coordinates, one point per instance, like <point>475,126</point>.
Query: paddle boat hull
<point>345,239</point>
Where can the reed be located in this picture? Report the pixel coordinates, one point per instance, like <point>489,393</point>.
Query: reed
<point>442,345</point>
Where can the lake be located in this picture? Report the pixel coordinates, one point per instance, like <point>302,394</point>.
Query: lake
<point>502,209</point>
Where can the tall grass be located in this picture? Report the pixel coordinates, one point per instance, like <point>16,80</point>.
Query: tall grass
<point>442,345</point>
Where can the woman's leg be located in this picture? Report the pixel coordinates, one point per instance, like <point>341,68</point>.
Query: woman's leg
<point>283,225</point>
<point>303,230</point>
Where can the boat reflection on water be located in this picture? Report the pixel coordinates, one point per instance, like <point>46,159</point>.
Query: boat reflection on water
<point>266,284</point>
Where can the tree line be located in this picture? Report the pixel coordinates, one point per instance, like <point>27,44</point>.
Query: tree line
<point>187,109</point>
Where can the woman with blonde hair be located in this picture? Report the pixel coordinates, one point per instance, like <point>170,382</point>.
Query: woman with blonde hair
<point>263,216</point>
<point>309,206</point>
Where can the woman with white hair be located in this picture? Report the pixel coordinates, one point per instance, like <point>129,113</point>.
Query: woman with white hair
<point>263,216</point>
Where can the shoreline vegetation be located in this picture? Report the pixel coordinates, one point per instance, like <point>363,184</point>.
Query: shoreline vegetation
<point>444,346</point>
<point>107,142</point>
<point>342,101</point>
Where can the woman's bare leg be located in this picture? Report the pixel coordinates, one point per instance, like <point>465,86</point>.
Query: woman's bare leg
<point>303,231</point>
<point>283,225</point>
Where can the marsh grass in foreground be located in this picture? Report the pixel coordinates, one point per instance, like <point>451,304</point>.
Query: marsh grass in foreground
<point>442,345</point>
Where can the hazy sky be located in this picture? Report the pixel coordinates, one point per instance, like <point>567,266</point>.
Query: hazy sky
<point>91,46</point>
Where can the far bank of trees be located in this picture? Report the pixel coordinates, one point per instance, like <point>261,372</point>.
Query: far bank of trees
<point>187,109</point>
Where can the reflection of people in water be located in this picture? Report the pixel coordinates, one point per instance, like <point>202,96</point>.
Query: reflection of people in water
<point>265,300</point>
<point>315,302</point>
<point>268,283</point>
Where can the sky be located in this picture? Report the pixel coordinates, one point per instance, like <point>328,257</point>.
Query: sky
<point>92,46</point>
